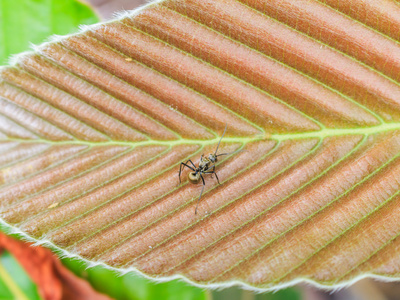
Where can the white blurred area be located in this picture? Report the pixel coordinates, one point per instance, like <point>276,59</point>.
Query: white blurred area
<point>107,8</point>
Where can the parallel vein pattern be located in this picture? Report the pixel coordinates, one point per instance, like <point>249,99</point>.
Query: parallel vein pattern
<point>93,128</point>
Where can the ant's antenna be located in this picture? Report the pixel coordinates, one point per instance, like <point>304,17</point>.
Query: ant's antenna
<point>226,125</point>
<point>234,152</point>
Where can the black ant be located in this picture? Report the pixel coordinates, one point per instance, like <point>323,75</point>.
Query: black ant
<point>206,166</point>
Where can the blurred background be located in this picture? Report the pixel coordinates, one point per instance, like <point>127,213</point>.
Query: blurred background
<point>107,8</point>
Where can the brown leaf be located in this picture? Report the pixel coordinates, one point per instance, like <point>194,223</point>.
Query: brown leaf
<point>94,127</point>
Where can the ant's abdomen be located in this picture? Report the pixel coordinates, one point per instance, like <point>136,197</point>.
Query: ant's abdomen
<point>194,177</point>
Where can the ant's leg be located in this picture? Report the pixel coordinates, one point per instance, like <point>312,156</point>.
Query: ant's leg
<point>213,172</point>
<point>208,170</point>
<point>194,166</point>
<point>216,176</point>
<point>185,165</point>
<point>202,189</point>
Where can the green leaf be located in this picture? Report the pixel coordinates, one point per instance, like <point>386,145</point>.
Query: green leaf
<point>94,128</point>
<point>14,282</point>
<point>235,293</point>
<point>133,287</point>
<point>31,21</point>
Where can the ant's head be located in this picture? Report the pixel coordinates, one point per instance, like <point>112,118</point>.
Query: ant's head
<point>213,158</point>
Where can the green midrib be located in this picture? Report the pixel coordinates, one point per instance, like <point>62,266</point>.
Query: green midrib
<point>321,134</point>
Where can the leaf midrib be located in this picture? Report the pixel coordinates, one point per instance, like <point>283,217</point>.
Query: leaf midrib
<point>321,134</point>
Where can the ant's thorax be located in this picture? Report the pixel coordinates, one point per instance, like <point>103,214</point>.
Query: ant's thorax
<point>206,162</point>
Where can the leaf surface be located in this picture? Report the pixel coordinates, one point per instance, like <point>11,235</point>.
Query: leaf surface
<point>94,128</point>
